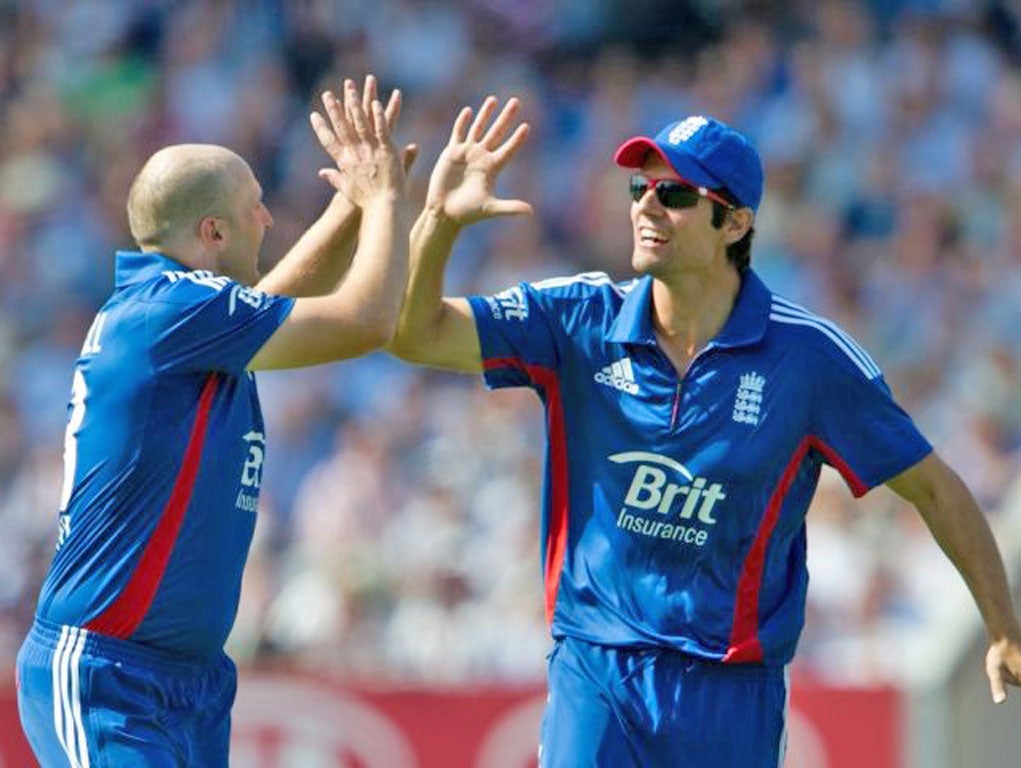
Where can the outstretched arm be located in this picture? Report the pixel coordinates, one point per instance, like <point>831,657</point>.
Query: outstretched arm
<point>361,313</point>
<point>959,527</point>
<point>321,256</point>
<point>433,330</point>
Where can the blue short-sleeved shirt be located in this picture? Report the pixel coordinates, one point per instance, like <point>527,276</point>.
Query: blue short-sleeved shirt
<point>163,459</point>
<point>673,509</point>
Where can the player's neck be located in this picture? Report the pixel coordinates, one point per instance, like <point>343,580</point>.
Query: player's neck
<point>191,258</point>
<point>692,308</point>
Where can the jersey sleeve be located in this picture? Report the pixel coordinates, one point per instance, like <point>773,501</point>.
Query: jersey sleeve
<point>213,325</point>
<point>859,427</point>
<point>515,335</point>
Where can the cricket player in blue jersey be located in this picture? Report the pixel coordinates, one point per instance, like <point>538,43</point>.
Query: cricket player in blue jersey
<point>688,414</point>
<point>124,665</point>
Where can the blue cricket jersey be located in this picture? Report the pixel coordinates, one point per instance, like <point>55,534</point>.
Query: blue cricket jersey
<point>673,510</point>
<point>163,459</point>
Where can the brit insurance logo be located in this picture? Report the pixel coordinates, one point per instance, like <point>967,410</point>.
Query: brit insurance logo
<point>748,400</point>
<point>251,472</point>
<point>619,375</point>
<point>683,505</point>
<point>509,305</point>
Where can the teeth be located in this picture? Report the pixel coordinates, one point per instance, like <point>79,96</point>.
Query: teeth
<point>651,234</point>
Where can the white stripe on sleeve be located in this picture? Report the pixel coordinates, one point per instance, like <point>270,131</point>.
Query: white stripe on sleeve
<point>850,346</point>
<point>868,368</point>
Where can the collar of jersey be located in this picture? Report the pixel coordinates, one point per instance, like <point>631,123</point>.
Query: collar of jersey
<point>137,267</point>
<point>746,325</point>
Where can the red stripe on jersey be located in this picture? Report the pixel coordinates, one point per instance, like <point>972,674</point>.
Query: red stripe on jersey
<point>744,637</point>
<point>556,537</point>
<point>124,614</point>
<point>858,488</point>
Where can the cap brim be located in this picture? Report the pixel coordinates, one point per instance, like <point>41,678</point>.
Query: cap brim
<point>633,153</point>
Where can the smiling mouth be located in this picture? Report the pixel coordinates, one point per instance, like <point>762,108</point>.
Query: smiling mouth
<point>651,237</point>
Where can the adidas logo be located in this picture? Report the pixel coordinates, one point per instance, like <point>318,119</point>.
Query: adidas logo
<point>619,375</point>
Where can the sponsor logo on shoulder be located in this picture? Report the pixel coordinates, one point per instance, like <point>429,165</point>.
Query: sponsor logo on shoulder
<point>684,504</point>
<point>250,296</point>
<point>748,400</point>
<point>619,375</point>
<point>509,304</point>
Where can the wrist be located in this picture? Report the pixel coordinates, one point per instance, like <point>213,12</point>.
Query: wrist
<point>1007,632</point>
<point>340,204</point>
<point>437,219</point>
<point>389,198</point>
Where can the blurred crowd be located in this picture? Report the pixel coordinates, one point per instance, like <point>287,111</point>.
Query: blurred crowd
<point>398,531</point>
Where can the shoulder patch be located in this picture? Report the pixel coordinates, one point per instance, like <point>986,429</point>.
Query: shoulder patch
<point>509,304</point>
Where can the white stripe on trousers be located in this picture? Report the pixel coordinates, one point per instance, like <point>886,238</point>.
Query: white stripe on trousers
<point>786,712</point>
<point>67,708</point>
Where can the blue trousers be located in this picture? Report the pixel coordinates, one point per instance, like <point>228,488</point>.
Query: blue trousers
<point>89,701</point>
<point>632,708</point>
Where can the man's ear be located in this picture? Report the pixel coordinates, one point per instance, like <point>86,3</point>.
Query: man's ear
<point>737,223</point>
<point>211,232</point>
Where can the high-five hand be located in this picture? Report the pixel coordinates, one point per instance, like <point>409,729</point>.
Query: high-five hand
<point>357,138</point>
<point>461,186</point>
<point>1003,666</point>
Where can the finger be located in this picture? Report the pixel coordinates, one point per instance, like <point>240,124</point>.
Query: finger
<point>509,148</point>
<point>379,123</point>
<point>327,138</point>
<point>333,176</point>
<point>460,130</point>
<point>996,685</point>
<point>338,120</point>
<point>499,128</point>
<point>354,110</point>
<point>485,112</point>
<point>393,108</point>
<point>368,94</point>
<point>408,156</point>
<point>506,208</point>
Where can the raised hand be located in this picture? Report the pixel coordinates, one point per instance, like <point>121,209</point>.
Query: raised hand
<point>357,139</point>
<point>1003,667</point>
<point>461,185</point>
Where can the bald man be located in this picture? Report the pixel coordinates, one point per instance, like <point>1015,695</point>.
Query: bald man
<point>124,664</point>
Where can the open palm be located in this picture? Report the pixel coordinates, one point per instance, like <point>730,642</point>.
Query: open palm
<point>464,178</point>
<point>356,134</point>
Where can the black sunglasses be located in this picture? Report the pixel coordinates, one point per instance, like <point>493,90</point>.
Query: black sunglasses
<point>672,193</point>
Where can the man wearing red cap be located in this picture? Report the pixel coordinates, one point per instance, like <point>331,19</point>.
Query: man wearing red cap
<point>689,412</point>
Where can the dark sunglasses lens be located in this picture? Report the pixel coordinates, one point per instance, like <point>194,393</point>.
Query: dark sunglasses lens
<point>639,186</point>
<point>671,194</point>
<point>674,195</point>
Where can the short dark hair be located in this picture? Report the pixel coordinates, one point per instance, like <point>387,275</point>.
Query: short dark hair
<point>740,253</point>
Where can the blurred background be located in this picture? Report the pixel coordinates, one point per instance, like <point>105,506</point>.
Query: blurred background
<point>398,534</point>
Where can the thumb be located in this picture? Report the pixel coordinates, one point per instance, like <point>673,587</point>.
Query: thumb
<point>506,208</point>
<point>996,686</point>
<point>408,156</point>
<point>333,176</point>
